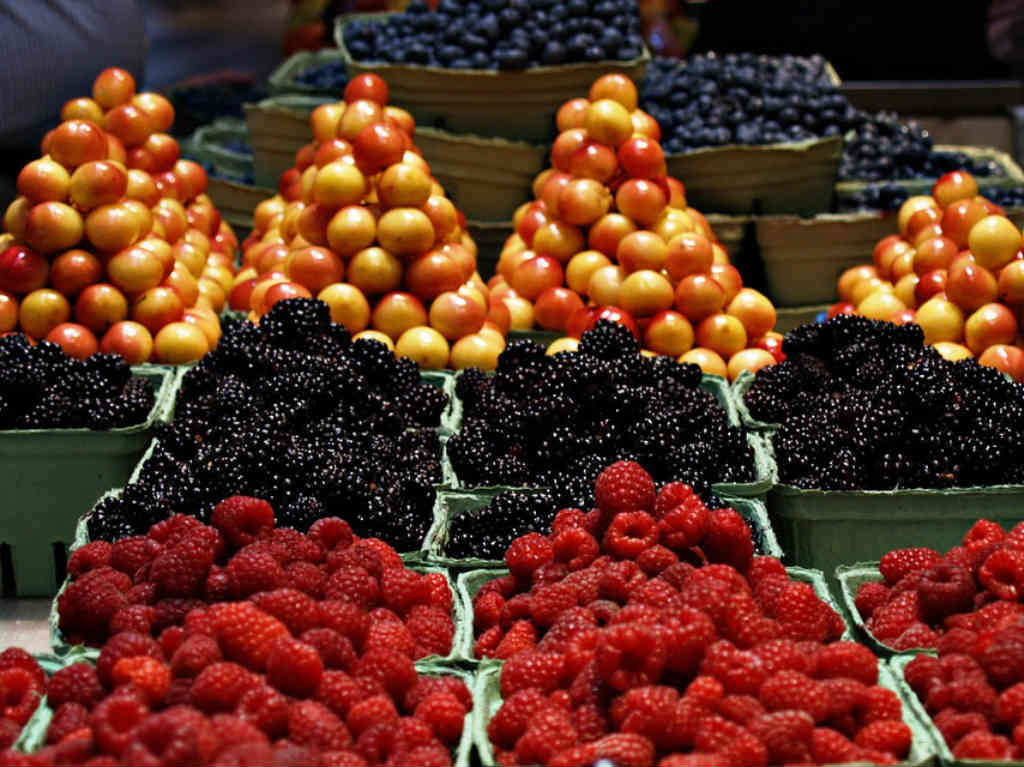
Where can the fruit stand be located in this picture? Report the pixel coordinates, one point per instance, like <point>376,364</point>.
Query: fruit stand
<point>497,393</point>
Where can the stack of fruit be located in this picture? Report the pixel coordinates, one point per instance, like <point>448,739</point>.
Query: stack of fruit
<point>360,223</point>
<point>609,227</point>
<point>113,230</point>
<point>955,269</point>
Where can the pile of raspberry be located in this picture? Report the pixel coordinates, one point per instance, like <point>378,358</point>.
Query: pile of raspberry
<point>22,686</point>
<point>646,632</point>
<point>974,689</point>
<point>926,596</point>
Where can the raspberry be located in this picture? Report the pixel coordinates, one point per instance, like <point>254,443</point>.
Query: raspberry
<point>802,614</point>
<point>487,643</point>
<point>195,653</point>
<point>77,683</point>
<point>787,735</point>
<point>234,729</point>
<point>243,520</point>
<point>433,629</point>
<point>624,486</point>
<point>376,743</point>
<point>445,715</point>
<point>574,547</point>
<point>440,592</point>
<point>331,533</point>
<point>656,559</point>
<point>955,724</point>
<point>983,745</point>
<point>728,539</point>
<point>685,525</point>
<point>149,675</point>
<point>313,724</point>
<point>946,589</point>
<point>921,671</point>
<point>1010,707</point>
<point>629,534</point>
<point>288,545</point>
<point>671,495</point>
<point>647,711</point>
<point>133,618</point>
<point>308,578</point>
<point>266,708</point>
<point>893,737</point>
<point>180,569</point>
<point>740,671</point>
<point>847,659</point>
<point>1002,573</point>
<point>88,603</point>
<point>521,637</point>
<point>548,731</point>
<point>1003,659</point>
<point>294,609</point>
<point>630,655</point>
<point>509,721</point>
<point>403,589</point>
<point>294,667</point>
<point>880,705</point>
<point>67,718</point>
<point>253,569</point>
<point>336,651</point>
<point>831,747</point>
<point>957,641</point>
<point>173,529</point>
<point>896,565</point>
<point>870,596</point>
<point>984,531</point>
<point>779,654</point>
<point>245,633</point>
<point>386,553</point>
<point>917,635</point>
<point>527,553</point>
<point>114,720</point>
<point>377,709</point>
<point>390,668</point>
<point>739,708</point>
<point>353,584</point>
<point>566,519</point>
<point>124,645</point>
<point>893,618</point>
<point>20,693</point>
<point>220,687</point>
<point>347,618</point>
<point>531,669</point>
<point>390,634</point>
<point>91,556</point>
<point>796,691</point>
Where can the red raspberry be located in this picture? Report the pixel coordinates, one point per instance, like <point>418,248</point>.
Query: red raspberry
<point>917,635</point>
<point>141,594</point>
<point>195,654</point>
<point>549,731</point>
<point>717,735</point>
<point>232,728</point>
<point>566,519</point>
<point>847,659</point>
<point>172,612</point>
<point>831,747</point>
<point>402,589</point>
<point>433,629</point>
<point>685,525</point>
<point>245,633</point>
<point>625,750</point>
<point>390,668</point>
<point>629,534</point>
<point>377,709</point>
<point>896,565</point>
<point>656,559</point>
<point>294,609</point>
<point>487,643</point>
<point>427,685</point>
<point>335,650</point>
<point>796,691</point>
<point>624,486</point>
<point>893,737</point>
<point>339,692</point>
<point>353,584</point>
<point>243,520</point>
<point>20,693</point>
<point>802,614</point>
<point>313,724</point>
<point>124,645</point>
<point>740,671</point>
<point>983,532</point>
<point>983,745</point>
<point>180,570</point>
<point>133,618</point>
<point>944,590</point>
<point>1003,659</point>
<point>671,495</point>
<point>1010,707</point>
<point>531,669</point>
<point>547,603</point>
<point>921,671</point>
<point>445,714</point>
<point>171,530</point>
<point>220,687</point>
<point>763,567</point>
<point>957,641</point>
<point>779,654</point>
<point>91,556</point>
<point>347,618</point>
<point>575,547</point>
<point>787,735</point>
<point>331,533</point>
<point>266,708</point>
<point>686,634</point>
<point>376,744</point>
<point>630,655</point>
<point>147,674</point>
<point>728,539</point>
<point>739,708</point>
<point>521,637</point>
<point>88,603</point>
<point>15,657</point>
<point>308,578</point>
<point>294,667</point>
<point>955,724</point>
<point>253,569</point>
<point>896,616</point>
<point>845,698</point>
<point>509,721</point>
<point>1002,573</point>
<point>527,553</point>
<point>880,704</point>
<point>114,720</point>
<point>870,596</point>
<point>67,718</point>
<point>390,634</point>
<point>649,711</point>
<point>288,545</point>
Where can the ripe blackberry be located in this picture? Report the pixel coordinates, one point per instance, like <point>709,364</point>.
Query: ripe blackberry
<point>609,340</point>
<point>291,323</point>
<point>471,385</point>
<point>488,531</point>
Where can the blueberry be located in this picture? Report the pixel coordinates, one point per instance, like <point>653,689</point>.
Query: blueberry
<point>509,18</point>
<point>554,53</point>
<point>512,58</point>
<point>489,27</point>
<point>578,7</point>
<point>481,60</point>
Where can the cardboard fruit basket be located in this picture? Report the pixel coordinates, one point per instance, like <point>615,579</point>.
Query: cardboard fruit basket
<point>517,105</point>
<point>278,128</point>
<point>285,79</point>
<point>796,177</point>
<point>53,474</point>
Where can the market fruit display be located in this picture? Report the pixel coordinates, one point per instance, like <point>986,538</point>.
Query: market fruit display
<point>556,421</point>
<point>647,632</point>
<point>867,405</point>
<point>41,387</point>
<point>953,270</point>
<point>295,412</point>
<point>360,223</point>
<point>506,36</point>
<point>947,601</point>
<point>112,244</point>
<point>609,234</point>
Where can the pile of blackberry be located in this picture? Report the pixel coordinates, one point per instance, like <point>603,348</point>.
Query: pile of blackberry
<point>557,421</point>
<point>43,388</point>
<point>328,77</point>
<point>501,34</point>
<point>889,197</point>
<point>294,412</point>
<point>867,405</point>
<point>487,532</point>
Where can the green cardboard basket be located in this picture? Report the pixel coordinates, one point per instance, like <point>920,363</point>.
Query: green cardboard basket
<point>487,701</point>
<point>53,473</point>
<point>471,581</point>
<point>849,578</point>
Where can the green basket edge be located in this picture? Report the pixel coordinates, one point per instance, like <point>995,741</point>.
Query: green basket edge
<point>33,734</point>
<point>284,79</point>
<point>785,147</point>
<point>851,576</point>
<point>464,748</point>
<point>739,389</point>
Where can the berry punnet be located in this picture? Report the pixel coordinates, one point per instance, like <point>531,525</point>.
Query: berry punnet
<point>295,412</point>
<point>556,421</point>
<point>947,601</point>
<point>654,635</point>
<point>43,388</point>
<point>865,404</point>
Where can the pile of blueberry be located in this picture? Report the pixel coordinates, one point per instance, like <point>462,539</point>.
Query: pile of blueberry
<point>867,405</point>
<point>43,388</point>
<point>501,34</point>
<point>326,77</point>
<point>557,421</point>
<point>198,105</point>
<point>889,197</point>
<point>294,412</point>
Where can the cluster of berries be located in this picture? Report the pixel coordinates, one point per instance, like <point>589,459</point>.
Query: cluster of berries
<point>642,657</point>
<point>974,691</point>
<point>947,601</point>
<point>295,412</point>
<point>22,686</point>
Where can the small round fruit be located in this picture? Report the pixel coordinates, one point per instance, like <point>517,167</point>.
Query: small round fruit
<point>280,291</point>
<point>8,312</point>
<point>97,183</point>
<point>688,253</point>
<point>475,351</point>
<point>1011,283</point>
<point>558,240</point>
<point>179,343</point>
<point>425,346</point>
<point>1005,358</point>
<point>754,310</point>
<point>669,332</point>
<point>432,274</point>
<point>641,201</point>
<point>129,124</point>
<point>159,109</point>
<point>338,184</point>
<point>52,227</point>
<point>989,325</point>
<point>910,207</point>
<point>100,306</point>
<point>323,121</point>
<point>520,312</point>
<point>44,180</point>
<point>73,270</point>
<point>350,230</point>
<point>348,306</point>
<point>564,344</point>
<point>641,157</point>
<point>941,320</point>
<point>580,268</point>
<point>157,307</point>
<point>954,186</point>
<point>617,87</point>
<point>41,311</point>
<point>572,114</point>
<point>994,241</point>
<point>134,270</point>
<point>880,305</point>
<point>76,142</point>
<point>112,228</point>
<point>22,270</point>
<point>709,361</point>
<point>699,296</point>
<point>82,109</point>
<point>642,250</point>
<point>606,234</point>
<point>850,278</point>
<point>605,285</point>
<point>405,232</point>
<point>76,340</point>
<point>555,306</point>
<point>403,185</point>
<point>535,275</point>
<point>314,268</point>
<point>367,86</point>
<point>609,122</point>
<point>952,352</point>
<point>583,201</point>
<point>129,339</point>
<point>645,293</point>
<point>750,360</point>
<point>397,312</point>
<point>442,214</point>
<point>454,315</point>
<point>906,289</point>
<point>377,147</point>
<point>722,334</point>
<point>594,161</point>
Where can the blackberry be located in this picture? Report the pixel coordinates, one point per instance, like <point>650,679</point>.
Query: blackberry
<point>486,532</point>
<point>291,323</point>
<point>471,385</point>
<point>609,340</point>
